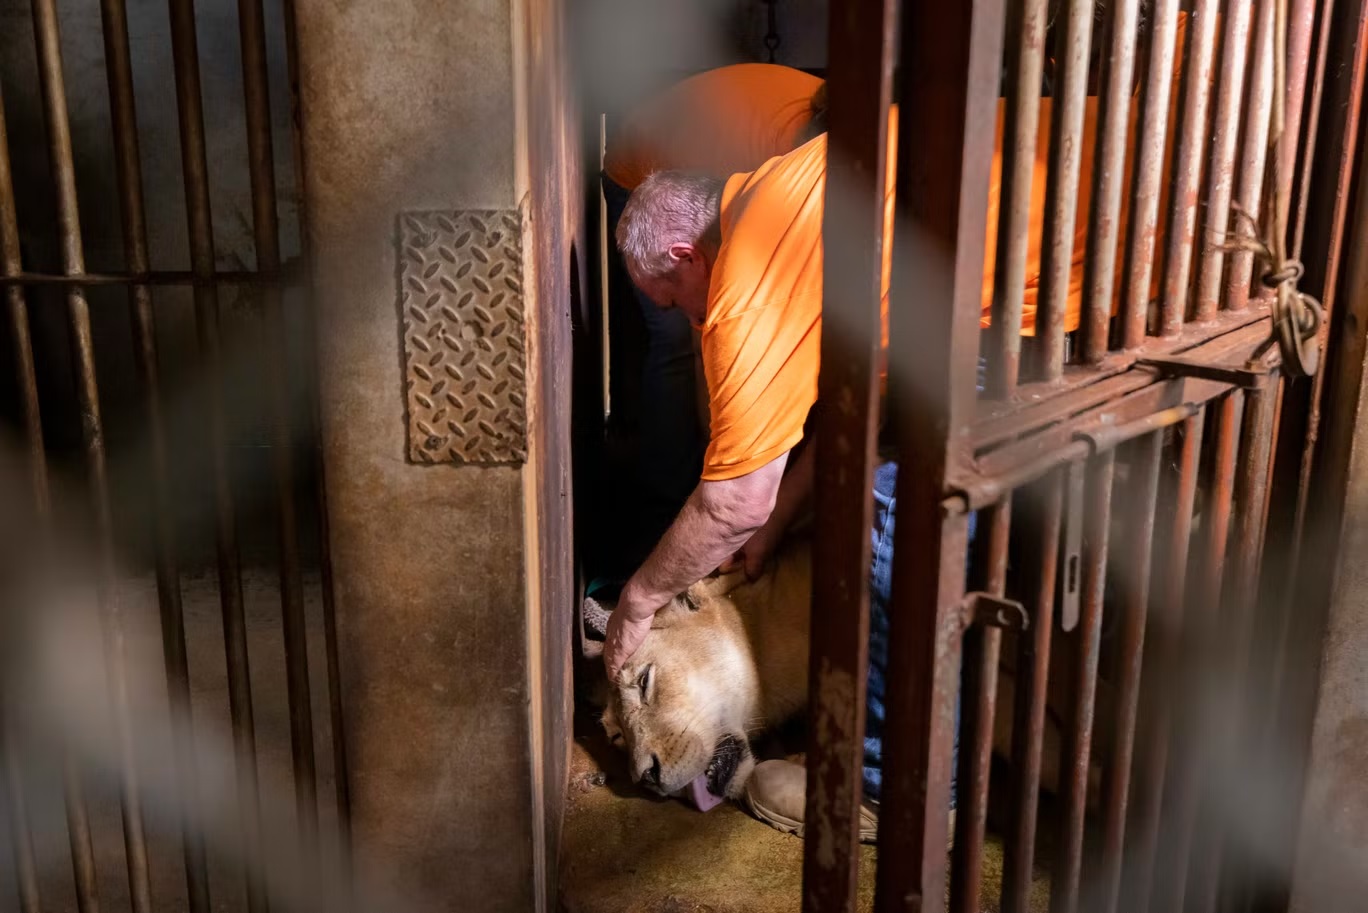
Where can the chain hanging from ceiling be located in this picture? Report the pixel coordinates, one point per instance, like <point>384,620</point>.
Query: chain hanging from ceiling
<point>772,28</point>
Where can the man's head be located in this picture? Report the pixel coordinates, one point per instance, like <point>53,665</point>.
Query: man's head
<point>669,236</point>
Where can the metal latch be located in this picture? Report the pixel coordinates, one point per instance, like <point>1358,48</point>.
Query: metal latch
<point>997,611</point>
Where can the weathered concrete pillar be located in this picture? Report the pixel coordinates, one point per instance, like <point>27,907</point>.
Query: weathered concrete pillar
<point>435,441</point>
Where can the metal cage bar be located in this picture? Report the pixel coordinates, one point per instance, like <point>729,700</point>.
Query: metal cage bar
<point>194,167</point>
<point>951,54</point>
<point>982,652</point>
<point>1175,525</point>
<point>1033,673</point>
<point>859,80</point>
<point>1061,188</point>
<point>1201,624</point>
<point>1149,169</point>
<point>1076,762</point>
<point>1021,121</point>
<point>1187,167</point>
<point>1104,218</point>
<point>119,74</point>
<point>52,87</point>
<point>266,235</point>
<point>1253,159</point>
<point>1140,507</point>
<point>1221,168</point>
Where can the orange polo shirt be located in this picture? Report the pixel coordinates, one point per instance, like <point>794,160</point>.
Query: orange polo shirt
<point>721,122</point>
<point>762,332</point>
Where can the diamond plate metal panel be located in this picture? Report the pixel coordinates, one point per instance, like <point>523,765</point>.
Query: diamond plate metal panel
<point>461,302</point>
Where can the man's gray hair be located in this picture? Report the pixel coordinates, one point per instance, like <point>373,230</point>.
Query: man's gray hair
<point>669,207</point>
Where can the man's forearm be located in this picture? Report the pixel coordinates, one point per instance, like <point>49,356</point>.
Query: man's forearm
<point>713,524</point>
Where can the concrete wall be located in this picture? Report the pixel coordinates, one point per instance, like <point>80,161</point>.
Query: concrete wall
<point>416,105</point>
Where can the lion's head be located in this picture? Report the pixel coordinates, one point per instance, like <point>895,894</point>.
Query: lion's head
<point>682,707</point>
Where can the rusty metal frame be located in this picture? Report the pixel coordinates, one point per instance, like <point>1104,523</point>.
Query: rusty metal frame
<point>266,282</point>
<point>1129,389</point>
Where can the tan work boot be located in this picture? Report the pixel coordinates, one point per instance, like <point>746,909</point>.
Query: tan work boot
<point>776,793</point>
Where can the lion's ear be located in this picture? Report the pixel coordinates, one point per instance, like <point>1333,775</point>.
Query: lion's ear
<point>676,610</point>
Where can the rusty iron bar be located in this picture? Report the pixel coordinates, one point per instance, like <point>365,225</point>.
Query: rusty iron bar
<point>1166,615</point>
<point>1251,502</point>
<point>1258,109</point>
<point>1045,500</point>
<point>1149,171</point>
<point>860,84</point>
<point>1201,623</point>
<point>1021,121</point>
<point>982,650</point>
<point>284,276</point>
<point>128,167</point>
<point>341,777</point>
<point>1104,217</point>
<point>1068,869</point>
<point>1301,441</point>
<point>14,809</point>
<point>1133,605</point>
<point>1037,402</point>
<point>58,128</point>
<point>1328,11</point>
<point>1187,167</point>
<point>1061,187</point>
<point>194,168</point>
<point>266,236</point>
<point>77,815</point>
<point>1225,133</point>
<point>1300,21</point>
<point>951,54</point>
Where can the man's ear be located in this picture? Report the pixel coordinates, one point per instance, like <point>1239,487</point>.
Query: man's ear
<point>683,252</point>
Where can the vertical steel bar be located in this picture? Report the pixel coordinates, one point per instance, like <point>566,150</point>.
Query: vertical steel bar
<point>1166,615</point>
<point>51,81</point>
<point>1068,869</point>
<point>1149,171</point>
<point>1251,505</point>
<point>1033,673</point>
<point>194,167</point>
<point>1201,625</point>
<point>1061,187</point>
<point>859,80</point>
<point>129,175</point>
<point>1225,133</point>
<point>982,649</point>
<point>1133,600</point>
<point>266,233</point>
<point>1104,219</point>
<point>1249,192</point>
<point>14,808</point>
<point>78,820</point>
<point>1021,121</point>
<point>1298,38</point>
<point>949,61</point>
<point>341,781</point>
<point>1187,167</point>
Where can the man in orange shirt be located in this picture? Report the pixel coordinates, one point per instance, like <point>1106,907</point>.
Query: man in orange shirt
<point>741,259</point>
<point>719,122</point>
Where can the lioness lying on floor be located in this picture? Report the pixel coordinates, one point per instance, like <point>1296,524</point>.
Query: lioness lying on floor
<point>728,660</point>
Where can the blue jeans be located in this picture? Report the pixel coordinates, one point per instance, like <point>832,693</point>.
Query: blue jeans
<point>671,440</point>
<point>880,600</point>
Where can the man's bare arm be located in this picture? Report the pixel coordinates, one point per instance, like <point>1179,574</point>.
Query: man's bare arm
<point>717,520</point>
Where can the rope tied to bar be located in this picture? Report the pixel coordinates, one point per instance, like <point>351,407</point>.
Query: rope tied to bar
<point>1297,316</point>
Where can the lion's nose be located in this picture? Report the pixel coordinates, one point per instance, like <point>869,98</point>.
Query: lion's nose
<point>651,774</point>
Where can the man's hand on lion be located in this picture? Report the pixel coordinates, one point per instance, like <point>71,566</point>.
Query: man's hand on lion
<point>624,637</point>
<point>755,554</point>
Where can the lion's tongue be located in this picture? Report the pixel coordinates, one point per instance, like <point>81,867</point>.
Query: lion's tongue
<point>702,798</point>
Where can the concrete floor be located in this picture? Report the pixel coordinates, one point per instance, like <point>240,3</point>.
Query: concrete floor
<point>626,851</point>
